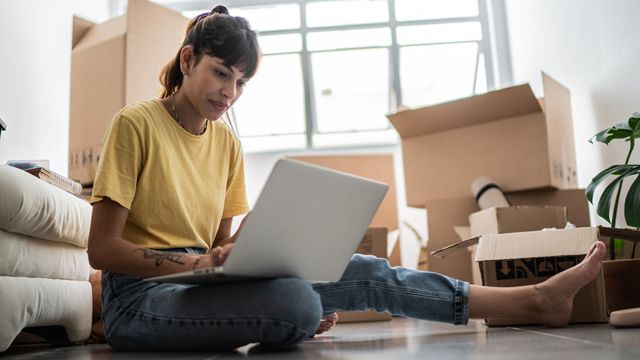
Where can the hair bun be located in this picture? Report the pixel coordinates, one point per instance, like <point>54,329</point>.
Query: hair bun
<point>220,9</point>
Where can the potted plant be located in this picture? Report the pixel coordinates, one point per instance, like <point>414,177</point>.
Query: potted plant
<point>622,276</point>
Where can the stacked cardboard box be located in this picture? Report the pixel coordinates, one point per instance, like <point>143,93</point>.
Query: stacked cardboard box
<point>526,146</point>
<point>114,64</point>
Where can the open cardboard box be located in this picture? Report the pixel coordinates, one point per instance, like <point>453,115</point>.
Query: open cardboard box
<point>113,64</point>
<point>526,258</point>
<point>443,215</point>
<point>503,134</point>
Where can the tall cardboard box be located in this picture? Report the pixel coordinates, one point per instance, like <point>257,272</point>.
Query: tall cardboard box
<point>376,167</point>
<point>113,64</point>
<point>374,243</point>
<point>503,134</point>
<point>526,258</point>
<point>444,214</point>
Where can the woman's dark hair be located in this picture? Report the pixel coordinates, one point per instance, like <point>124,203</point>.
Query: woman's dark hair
<point>218,34</point>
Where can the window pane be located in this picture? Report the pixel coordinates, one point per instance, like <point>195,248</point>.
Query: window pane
<point>273,143</point>
<point>437,73</point>
<point>346,12</point>
<point>439,33</point>
<point>372,138</point>
<point>351,89</point>
<point>331,40</point>
<point>273,101</point>
<point>273,44</point>
<point>407,10</point>
<point>270,17</point>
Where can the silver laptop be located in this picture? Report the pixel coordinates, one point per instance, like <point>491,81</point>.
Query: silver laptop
<point>306,223</point>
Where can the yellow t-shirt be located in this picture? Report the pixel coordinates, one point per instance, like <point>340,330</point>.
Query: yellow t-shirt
<point>176,185</point>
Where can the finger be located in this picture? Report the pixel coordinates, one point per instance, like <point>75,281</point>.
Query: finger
<point>331,317</point>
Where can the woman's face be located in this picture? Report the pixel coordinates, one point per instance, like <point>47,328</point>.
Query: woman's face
<point>213,87</point>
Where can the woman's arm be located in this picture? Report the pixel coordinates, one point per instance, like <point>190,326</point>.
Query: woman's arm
<point>109,251</point>
<point>223,236</point>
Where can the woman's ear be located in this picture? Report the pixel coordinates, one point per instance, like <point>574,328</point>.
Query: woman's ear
<point>187,59</point>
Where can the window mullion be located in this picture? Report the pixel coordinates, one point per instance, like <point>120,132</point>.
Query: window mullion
<point>394,62</point>
<point>307,78</point>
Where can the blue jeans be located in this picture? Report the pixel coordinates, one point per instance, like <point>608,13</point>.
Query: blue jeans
<point>277,313</point>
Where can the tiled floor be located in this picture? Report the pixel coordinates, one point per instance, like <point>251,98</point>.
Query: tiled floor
<point>408,339</point>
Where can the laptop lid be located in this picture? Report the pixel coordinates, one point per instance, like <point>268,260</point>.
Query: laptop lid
<point>307,222</point>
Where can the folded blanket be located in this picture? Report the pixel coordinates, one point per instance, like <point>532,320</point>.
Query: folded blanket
<point>27,302</point>
<point>35,208</point>
<point>21,255</point>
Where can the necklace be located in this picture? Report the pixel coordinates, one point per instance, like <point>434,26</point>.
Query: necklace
<point>175,114</point>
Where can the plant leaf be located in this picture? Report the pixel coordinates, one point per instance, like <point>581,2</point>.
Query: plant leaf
<point>634,121</point>
<point>604,204</point>
<point>632,204</point>
<point>595,182</point>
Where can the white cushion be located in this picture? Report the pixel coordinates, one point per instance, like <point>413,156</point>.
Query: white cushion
<point>21,255</point>
<point>27,302</point>
<point>35,208</point>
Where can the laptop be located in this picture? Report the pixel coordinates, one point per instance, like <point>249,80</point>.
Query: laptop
<point>306,223</point>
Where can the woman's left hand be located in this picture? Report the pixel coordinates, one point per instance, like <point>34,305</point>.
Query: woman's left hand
<point>220,253</point>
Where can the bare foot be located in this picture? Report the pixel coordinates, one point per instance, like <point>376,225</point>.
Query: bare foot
<point>327,323</point>
<point>555,295</point>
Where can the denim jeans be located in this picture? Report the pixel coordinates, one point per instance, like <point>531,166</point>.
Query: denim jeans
<point>277,313</point>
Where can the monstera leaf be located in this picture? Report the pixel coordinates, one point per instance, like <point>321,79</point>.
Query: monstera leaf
<point>628,132</point>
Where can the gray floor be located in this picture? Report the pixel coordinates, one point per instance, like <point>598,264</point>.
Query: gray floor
<point>408,339</point>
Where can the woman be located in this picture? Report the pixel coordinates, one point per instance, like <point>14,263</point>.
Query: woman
<point>171,180</point>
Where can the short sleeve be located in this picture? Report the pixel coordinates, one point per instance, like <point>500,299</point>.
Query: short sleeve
<point>236,198</point>
<point>120,163</point>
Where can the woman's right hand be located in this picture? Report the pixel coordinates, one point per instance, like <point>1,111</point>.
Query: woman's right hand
<point>215,257</point>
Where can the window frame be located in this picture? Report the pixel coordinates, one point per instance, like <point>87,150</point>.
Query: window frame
<point>489,16</point>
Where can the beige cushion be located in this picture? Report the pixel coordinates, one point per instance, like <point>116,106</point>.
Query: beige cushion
<point>21,255</point>
<point>35,208</point>
<point>27,302</point>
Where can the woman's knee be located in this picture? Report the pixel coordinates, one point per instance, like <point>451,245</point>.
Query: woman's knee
<point>301,306</point>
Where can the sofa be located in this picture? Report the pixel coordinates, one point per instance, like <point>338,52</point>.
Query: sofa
<point>44,268</point>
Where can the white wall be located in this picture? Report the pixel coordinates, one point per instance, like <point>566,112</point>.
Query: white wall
<point>35,69</point>
<point>593,48</point>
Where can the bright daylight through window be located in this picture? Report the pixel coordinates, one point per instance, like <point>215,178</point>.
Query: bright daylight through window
<point>333,69</point>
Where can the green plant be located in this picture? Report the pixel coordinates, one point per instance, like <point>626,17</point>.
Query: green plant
<point>628,131</point>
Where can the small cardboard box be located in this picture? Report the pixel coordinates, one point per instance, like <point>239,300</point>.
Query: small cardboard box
<point>447,146</point>
<point>114,64</point>
<point>526,258</point>
<point>376,167</point>
<point>444,214</point>
<point>512,219</point>
<point>374,243</point>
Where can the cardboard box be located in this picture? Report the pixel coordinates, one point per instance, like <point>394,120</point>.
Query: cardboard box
<point>503,134</point>
<point>512,219</point>
<point>444,214</point>
<point>375,167</point>
<point>526,258</point>
<point>114,64</point>
<point>374,243</point>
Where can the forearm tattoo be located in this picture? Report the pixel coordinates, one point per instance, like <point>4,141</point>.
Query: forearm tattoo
<point>160,256</point>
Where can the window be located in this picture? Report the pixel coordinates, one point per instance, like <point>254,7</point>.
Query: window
<point>332,69</point>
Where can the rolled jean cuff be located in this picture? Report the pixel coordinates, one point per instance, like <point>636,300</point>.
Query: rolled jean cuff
<point>461,303</point>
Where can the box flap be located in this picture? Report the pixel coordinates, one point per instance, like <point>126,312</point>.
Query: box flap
<point>80,27</point>
<point>154,35</point>
<point>494,105</point>
<point>102,32</point>
<point>441,253</point>
<point>533,244</point>
<point>150,20</point>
